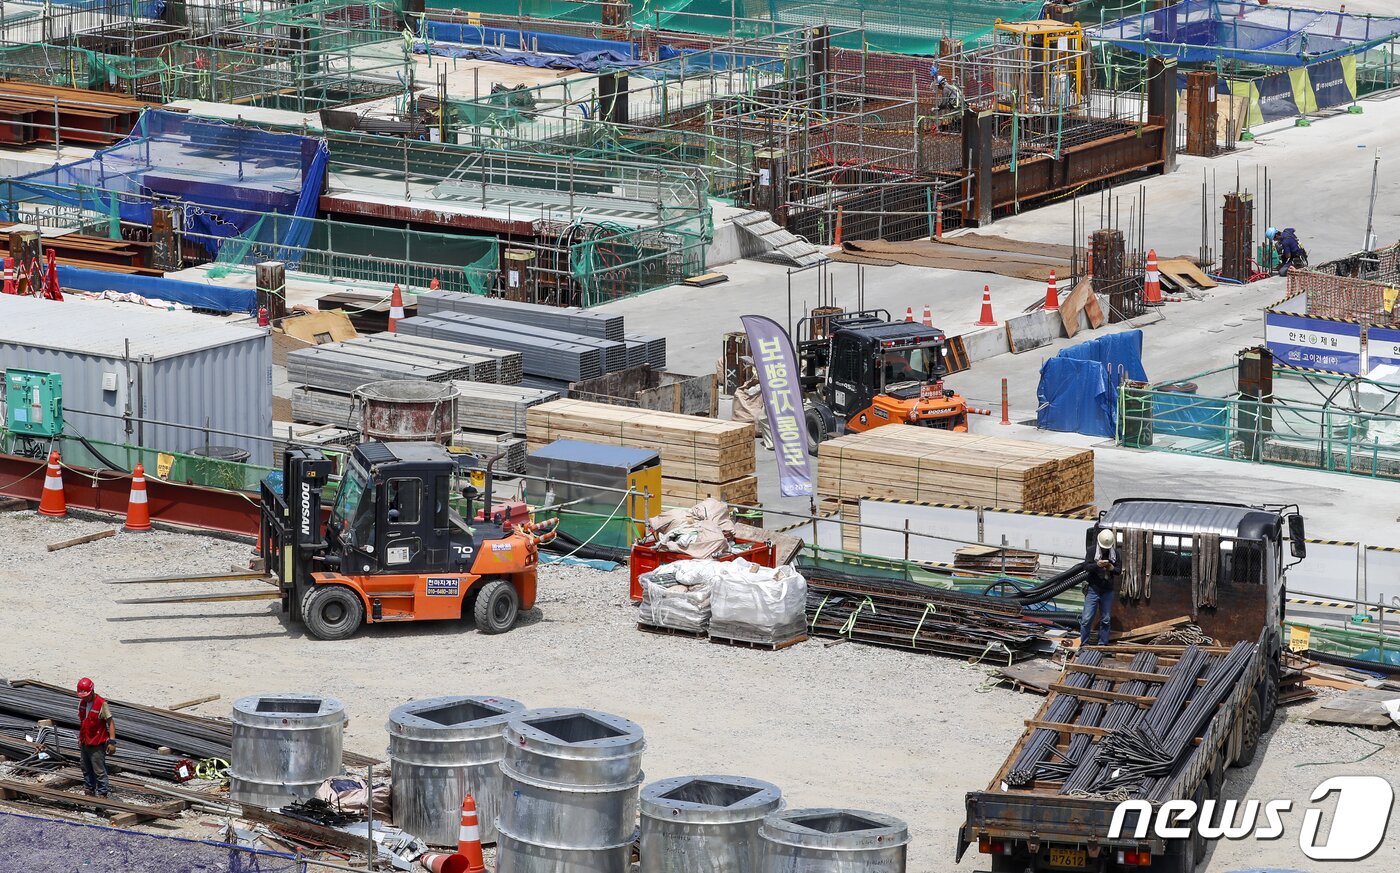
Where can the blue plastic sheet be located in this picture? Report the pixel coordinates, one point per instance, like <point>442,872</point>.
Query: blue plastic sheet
<point>527,40</point>
<point>1190,415</point>
<point>1078,387</point>
<point>213,297</point>
<point>588,62</point>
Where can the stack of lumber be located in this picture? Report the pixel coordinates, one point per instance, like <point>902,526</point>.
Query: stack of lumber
<point>978,560</point>
<point>700,457</point>
<point>924,465</point>
<point>486,446</point>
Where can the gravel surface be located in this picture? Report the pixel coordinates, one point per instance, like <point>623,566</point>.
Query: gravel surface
<point>832,725</point>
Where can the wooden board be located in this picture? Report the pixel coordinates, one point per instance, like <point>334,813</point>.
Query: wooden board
<point>1184,273</point>
<point>1360,706</point>
<point>1035,676</point>
<point>1073,305</point>
<point>319,327</point>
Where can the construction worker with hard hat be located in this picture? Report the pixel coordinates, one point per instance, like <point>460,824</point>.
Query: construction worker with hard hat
<point>97,738</point>
<point>1103,566</point>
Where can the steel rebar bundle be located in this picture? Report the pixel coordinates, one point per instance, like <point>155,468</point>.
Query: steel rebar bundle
<point>1118,716</point>
<point>1061,711</point>
<point>1061,764</point>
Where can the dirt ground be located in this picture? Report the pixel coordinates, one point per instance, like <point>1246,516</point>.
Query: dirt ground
<point>832,725</point>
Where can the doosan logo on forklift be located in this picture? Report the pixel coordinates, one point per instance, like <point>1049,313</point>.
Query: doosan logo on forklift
<point>1358,825</point>
<point>305,510</point>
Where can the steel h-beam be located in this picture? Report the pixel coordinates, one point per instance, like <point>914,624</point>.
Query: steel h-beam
<point>1161,106</point>
<point>978,129</point>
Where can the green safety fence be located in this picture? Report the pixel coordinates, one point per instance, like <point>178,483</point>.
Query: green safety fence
<point>915,27</point>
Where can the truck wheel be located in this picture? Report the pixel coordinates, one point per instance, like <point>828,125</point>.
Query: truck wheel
<point>332,612</point>
<point>1249,740</point>
<point>497,607</point>
<point>1272,676</point>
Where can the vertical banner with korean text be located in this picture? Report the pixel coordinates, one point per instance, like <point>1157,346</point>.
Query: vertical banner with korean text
<point>778,374</point>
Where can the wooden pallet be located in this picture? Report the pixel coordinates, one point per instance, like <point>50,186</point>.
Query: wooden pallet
<point>755,644</point>
<point>662,630</point>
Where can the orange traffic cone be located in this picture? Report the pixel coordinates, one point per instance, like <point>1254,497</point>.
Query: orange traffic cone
<point>1152,282</point>
<point>928,317</point>
<point>469,841</point>
<point>840,215</point>
<point>138,511</point>
<point>436,862</point>
<point>908,313</point>
<point>52,502</point>
<point>1052,294</point>
<point>433,285</point>
<point>986,320</point>
<point>395,308</point>
<point>10,276</point>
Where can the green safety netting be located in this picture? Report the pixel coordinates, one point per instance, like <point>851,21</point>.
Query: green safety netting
<point>1363,645</point>
<point>913,27</point>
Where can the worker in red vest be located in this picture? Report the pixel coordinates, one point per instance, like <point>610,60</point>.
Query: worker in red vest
<point>97,738</point>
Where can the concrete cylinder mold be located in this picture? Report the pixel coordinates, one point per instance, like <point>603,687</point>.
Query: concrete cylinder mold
<point>705,824</point>
<point>571,783</point>
<point>284,746</point>
<point>833,841</point>
<point>441,749</point>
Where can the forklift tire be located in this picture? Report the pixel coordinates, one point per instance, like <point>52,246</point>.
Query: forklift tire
<point>332,612</point>
<point>818,430</point>
<point>497,607</point>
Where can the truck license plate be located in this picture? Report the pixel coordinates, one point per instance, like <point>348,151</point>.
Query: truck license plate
<point>1068,857</point>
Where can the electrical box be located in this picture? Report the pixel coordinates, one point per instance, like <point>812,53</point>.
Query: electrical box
<point>34,403</point>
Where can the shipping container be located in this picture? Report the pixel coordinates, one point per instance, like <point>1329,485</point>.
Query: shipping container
<point>126,367</point>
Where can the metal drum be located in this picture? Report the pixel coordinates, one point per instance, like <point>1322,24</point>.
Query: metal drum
<point>284,747</point>
<point>570,802</point>
<point>833,841</point>
<point>705,824</point>
<point>408,410</point>
<point>440,750</point>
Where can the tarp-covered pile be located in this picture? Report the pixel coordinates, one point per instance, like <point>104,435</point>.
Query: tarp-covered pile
<point>1079,387</point>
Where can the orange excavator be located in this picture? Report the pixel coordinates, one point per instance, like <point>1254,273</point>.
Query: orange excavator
<point>862,370</point>
<point>395,548</point>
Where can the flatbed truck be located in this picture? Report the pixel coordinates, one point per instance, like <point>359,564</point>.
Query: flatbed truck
<point>1035,827</point>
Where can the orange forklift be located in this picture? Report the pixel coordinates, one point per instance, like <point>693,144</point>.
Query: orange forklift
<point>862,370</point>
<point>394,548</point>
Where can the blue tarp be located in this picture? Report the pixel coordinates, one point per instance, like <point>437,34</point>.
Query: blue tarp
<point>1190,415</point>
<point>588,62</point>
<point>1078,387</point>
<point>526,40</point>
<point>175,290</point>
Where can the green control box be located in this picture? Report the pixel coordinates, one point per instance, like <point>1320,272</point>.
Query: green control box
<point>33,403</point>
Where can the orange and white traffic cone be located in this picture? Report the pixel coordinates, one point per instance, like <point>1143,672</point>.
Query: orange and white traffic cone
<point>840,216</point>
<point>986,319</point>
<point>1052,293</point>
<point>1152,281</point>
<point>51,503</point>
<point>928,317</point>
<point>138,511</point>
<point>10,276</point>
<point>437,862</point>
<point>469,840</point>
<point>395,308</point>
<point>908,313</point>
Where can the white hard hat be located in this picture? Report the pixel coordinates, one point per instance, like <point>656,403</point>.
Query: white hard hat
<point>1106,539</point>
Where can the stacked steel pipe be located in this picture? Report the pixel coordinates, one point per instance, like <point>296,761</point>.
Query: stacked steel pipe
<point>1042,740</point>
<point>1118,716</point>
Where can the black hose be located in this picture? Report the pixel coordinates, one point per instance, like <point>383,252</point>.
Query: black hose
<point>564,544</point>
<point>98,455</point>
<point>1354,663</point>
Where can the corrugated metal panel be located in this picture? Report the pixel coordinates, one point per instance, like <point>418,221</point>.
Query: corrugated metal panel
<point>102,328</point>
<point>1179,518</point>
<point>227,382</point>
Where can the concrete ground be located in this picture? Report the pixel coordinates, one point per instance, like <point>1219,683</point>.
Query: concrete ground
<point>832,725</point>
<point>1327,206</point>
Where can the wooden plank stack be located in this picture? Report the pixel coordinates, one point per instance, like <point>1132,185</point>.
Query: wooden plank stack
<point>924,465</point>
<point>700,457</point>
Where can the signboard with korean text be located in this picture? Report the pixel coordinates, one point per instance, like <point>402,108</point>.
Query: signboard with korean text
<point>1382,348</point>
<point>778,375</point>
<point>1314,343</point>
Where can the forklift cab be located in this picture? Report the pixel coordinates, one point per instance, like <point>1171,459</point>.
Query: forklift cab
<point>393,514</point>
<point>870,357</point>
